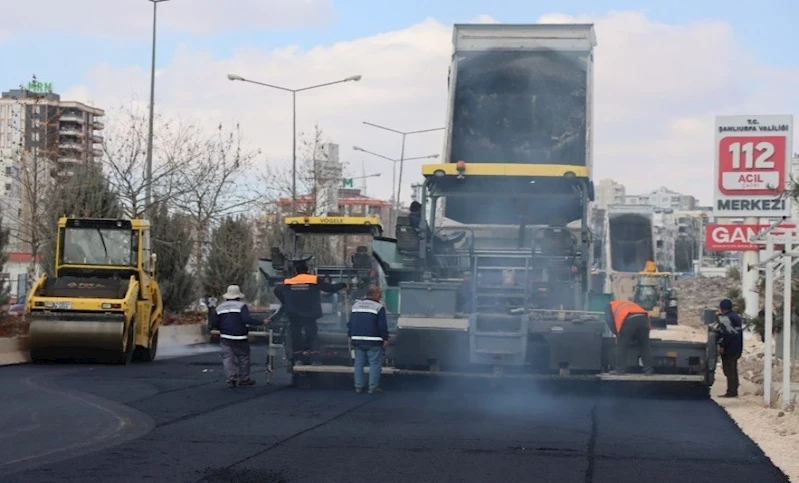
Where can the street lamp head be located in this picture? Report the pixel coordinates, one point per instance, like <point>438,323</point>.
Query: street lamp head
<point>235,77</point>
<point>356,148</point>
<point>354,78</point>
<point>435,156</point>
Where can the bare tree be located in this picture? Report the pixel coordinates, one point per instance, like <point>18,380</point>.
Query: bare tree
<point>218,183</point>
<point>175,149</point>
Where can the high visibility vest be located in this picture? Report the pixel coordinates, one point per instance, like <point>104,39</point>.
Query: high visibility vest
<point>621,309</point>
<point>302,297</point>
<point>302,279</point>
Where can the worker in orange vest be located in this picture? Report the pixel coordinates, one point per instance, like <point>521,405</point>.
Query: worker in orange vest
<point>301,303</point>
<point>629,321</point>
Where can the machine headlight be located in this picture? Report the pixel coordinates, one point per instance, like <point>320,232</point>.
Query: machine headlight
<point>106,306</point>
<point>672,303</point>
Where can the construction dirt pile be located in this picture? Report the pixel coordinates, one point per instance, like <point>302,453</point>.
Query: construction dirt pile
<point>698,293</point>
<point>750,367</point>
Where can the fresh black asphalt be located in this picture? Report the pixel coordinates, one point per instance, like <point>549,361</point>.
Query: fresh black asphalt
<point>175,421</point>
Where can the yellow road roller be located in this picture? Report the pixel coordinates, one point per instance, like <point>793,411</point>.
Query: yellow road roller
<point>104,304</point>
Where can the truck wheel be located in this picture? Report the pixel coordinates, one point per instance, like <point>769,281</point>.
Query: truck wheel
<point>147,354</point>
<point>126,357</point>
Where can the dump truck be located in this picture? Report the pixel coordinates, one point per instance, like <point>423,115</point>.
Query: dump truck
<point>103,302</point>
<point>630,267</point>
<point>496,281</point>
<point>629,243</point>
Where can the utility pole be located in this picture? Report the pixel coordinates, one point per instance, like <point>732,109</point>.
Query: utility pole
<point>148,187</point>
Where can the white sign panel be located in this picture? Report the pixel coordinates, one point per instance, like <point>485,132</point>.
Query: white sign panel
<point>753,165</point>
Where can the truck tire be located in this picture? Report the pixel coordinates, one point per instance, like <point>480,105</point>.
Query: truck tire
<point>147,354</point>
<point>126,357</point>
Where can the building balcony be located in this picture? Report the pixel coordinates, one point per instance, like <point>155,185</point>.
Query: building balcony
<point>70,146</point>
<point>72,117</point>
<point>97,139</point>
<point>98,126</point>
<point>97,152</point>
<point>69,160</point>
<point>70,131</point>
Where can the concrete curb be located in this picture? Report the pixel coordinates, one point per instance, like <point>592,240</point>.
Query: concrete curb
<point>14,350</point>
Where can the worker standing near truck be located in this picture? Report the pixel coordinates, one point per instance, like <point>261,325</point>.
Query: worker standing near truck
<point>368,333</point>
<point>730,344</point>
<point>302,304</point>
<point>629,321</point>
<point>231,318</point>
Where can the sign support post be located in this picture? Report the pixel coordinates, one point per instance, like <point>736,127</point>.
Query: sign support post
<point>749,277</point>
<point>789,239</point>
<point>786,323</point>
<point>769,321</point>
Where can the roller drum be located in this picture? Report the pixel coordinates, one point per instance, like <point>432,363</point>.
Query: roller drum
<point>102,340</point>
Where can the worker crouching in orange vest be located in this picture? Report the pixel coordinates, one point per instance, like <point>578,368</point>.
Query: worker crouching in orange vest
<point>630,322</point>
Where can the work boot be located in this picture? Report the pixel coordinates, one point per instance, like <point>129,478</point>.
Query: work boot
<point>649,372</point>
<point>247,382</point>
<point>231,384</point>
<point>358,390</point>
<point>617,372</point>
<point>727,395</point>
<point>376,390</point>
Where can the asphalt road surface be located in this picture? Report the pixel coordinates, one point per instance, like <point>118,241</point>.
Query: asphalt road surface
<point>175,421</point>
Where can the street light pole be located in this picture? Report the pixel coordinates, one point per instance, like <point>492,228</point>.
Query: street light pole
<point>353,78</point>
<point>402,153</point>
<point>294,153</point>
<point>148,187</point>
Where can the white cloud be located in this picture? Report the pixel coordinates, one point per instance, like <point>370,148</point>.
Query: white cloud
<point>133,18</point>
<point>483,19</point>
<point>657,89</point>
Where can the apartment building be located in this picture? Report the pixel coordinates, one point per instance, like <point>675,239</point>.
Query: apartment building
<point>609,192</point>
<point>663,199</point>
<point>42,139</point>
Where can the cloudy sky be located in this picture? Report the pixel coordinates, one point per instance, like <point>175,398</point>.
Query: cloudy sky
<point>662,73</point>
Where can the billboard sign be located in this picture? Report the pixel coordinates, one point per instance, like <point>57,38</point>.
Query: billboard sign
<point>752,167</point>
<point>735,237</point>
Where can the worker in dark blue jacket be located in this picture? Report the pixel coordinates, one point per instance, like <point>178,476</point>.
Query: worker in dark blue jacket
<point>231,319</point>
<point>368,333</point>
<point>730,344</point>
<point>301,302</point>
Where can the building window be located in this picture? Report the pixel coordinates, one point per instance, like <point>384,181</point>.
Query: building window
<point>8,186</point>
